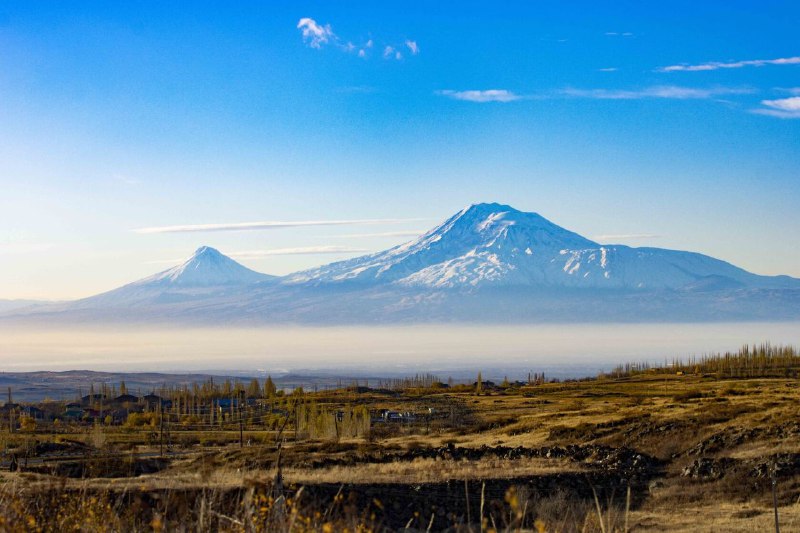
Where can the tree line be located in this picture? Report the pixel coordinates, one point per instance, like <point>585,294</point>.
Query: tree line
<point>750,361</point>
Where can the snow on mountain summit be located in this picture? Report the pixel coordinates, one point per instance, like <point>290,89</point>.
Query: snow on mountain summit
<point>448,274</point>
<point>491,244</point>
<point>481,243</point>
<point>206,267</point>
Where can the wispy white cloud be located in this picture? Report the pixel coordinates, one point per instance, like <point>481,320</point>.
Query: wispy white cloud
<point>716,65</point>
<point>784,104</point>
<point>254,254</point>
<point>363,51</point>
<point>315,35</point>
<point>267,225</point>
<point>781,108</point>
<point>164,261</point>
<point>618,34</point>
<point>390,52</point>
<point>659,91</point>
<point>674,92</point>
<point>626,236</point>
<point>488,95</point>
<point>302,250</point>
<point>381,234</point>
<point>608,69</point>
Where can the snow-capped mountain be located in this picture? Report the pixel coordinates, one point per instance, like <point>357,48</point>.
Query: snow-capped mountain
<point>486,263</point>
<point>206,268</point>
<point>497,245</point>
<point>205,274</point>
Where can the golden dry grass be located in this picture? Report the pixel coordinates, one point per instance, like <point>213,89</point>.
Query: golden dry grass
<point>432,471</point>
<point>663,416</point>
<point>719,517</point>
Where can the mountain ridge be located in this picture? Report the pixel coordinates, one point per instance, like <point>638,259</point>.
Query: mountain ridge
<point>497,244</point>
<point>487,262</point>
<point>207,273</point>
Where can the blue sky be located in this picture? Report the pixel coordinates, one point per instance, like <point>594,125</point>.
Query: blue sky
<point>676,125</point>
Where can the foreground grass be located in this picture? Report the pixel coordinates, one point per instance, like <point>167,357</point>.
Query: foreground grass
<point>716,443</point>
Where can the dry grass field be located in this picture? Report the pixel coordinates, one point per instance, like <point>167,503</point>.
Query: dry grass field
<point>644,453</point>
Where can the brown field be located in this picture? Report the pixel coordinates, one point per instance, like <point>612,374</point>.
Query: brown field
<point>643,453</point>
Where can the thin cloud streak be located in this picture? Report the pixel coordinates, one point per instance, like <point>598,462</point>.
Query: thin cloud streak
<point>267,225</point>
<point>658,91</point>
<point>776,113</point>
<point>383,234</point>
<point>302,250</point>
<point>716,65</point>
<point>481,96</point>
<point>252,254</point>
<point>674,92</point>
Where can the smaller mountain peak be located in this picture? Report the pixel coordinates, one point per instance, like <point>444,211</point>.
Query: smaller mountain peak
<point>206,250</point>
<point>207,267</point>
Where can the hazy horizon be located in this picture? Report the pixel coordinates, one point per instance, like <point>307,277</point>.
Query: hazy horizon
<point>581,349</point>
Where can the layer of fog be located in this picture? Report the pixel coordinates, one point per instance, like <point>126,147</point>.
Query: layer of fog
<point>446,350</point>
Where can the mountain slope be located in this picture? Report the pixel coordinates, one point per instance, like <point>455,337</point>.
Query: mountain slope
<point>206,268</point>
<point>205,274</point>
<point>480,243</point>
<point>497,245</point>
<point>487,263</point>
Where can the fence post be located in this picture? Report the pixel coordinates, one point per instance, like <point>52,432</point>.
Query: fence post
<point>775,500</point>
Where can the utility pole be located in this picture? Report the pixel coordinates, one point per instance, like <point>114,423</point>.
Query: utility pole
<point>10,413</point>
<point>161,428</point>
<point>169,434</point>
<point>775,499</point>
<point>241,428</point>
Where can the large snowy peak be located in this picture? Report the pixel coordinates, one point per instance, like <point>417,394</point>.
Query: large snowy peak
<point>496,245</point>
<point>481,243</point>
<point>487,263</point>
